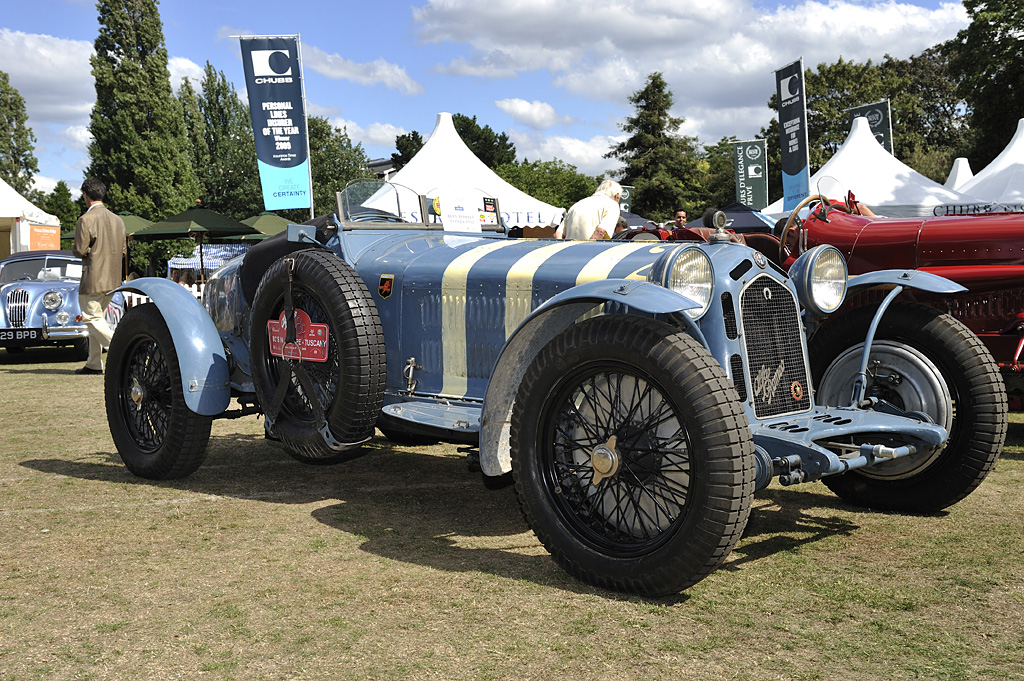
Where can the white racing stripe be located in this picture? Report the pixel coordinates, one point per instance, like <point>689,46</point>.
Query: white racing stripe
<point>519,284</point>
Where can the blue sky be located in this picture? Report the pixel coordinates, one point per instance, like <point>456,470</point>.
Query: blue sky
<point>553,74</point>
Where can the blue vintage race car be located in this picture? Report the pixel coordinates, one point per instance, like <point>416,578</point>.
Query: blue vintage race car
<point>39,302</point>
<point>637,393</point>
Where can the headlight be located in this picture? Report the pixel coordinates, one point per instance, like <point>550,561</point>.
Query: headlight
<point>820,277</point>
<point>53,300</point>
<point>63,318</point>
<point>688,272</point>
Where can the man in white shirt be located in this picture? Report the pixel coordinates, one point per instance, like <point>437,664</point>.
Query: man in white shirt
<point>593,217</point>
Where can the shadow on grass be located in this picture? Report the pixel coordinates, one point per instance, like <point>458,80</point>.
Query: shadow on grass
<point>41,355</point>
<point>1014,448</point>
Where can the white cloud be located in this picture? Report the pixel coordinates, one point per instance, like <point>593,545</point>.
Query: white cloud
<point>180,68</point>
<point>537,115</point>
<point>375,134</point>
<point>586,155</point>
<point>368,73</point>
<point>52,74</point>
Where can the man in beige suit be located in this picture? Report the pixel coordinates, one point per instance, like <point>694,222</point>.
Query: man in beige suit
<point>100,243</point>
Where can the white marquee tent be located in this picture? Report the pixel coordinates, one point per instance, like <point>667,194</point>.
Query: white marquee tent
<point>1002,180</point>
<point>959,175</point>
<point>446,164</point>
<point>20,222</point>
<point>880,181</point>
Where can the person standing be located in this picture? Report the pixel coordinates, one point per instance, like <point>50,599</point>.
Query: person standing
<point>595,216</point>
<point>100,243</point>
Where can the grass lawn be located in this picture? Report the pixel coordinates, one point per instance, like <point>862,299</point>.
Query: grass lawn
<point>402,565</point>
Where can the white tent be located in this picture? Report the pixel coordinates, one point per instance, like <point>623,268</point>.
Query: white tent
<point>23,226</point>
<point>1002,180</point>
<point>959,175</point>
<point>445,164</point>
<point>880,181</point>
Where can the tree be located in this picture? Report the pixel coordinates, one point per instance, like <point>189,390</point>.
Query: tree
<point>335,161</point>
<point>195,130</point>
<point>986,60</point>
<point>408,145</point>
<point>490,147</point>
<point>139,146</point>
<point>719,183</point>
<point>663,166</point>
<point>18,163</point>
<point>554,182</point>
<point>230,179</point>
<point>59,203</point>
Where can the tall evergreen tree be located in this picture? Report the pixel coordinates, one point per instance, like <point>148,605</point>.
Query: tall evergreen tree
<point>18,163</point>
<point>662,165</point>
<point>490,147</point>
<point>59,203</point>
<point>139,147</point>
<point>195,130</point>
<point>407,145</point>
<point>230,176</point>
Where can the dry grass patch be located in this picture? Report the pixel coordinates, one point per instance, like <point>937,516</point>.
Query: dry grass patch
<point>401,565</point>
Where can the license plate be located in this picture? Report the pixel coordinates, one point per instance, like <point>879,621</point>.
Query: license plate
<point>19,335</point>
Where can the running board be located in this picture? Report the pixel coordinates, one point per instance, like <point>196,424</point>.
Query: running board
<point>445,416</point>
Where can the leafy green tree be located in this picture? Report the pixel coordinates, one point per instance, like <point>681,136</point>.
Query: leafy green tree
<point>408,145</point>
<point>335,161</point>
<point>663,166</point>
<point>139,147</point>
<point>59,203</point>
<point>719,181</point>
<point>18,163</point>
<point>195,130</point>
<point>492,148</point>
<point>555,182</point>
<point>230,178</point>
<point>986,59</point>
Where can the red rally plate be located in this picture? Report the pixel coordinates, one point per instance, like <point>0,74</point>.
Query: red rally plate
<point>310,339</point>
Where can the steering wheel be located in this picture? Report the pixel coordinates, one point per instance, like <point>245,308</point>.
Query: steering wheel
<point>793,218</point>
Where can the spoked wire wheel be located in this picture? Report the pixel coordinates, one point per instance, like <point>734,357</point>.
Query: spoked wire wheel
<point>631,455</point>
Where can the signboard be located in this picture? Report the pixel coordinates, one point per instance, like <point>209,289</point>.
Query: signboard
<point>626,198</point>
<point>789,83</point>
<point>750,160</point>
<point>273,78</point>
<point>458,213</point>
<point>879,117</point>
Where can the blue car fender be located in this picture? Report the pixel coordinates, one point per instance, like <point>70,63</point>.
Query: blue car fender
<point>918,279</point>
<point>537,330</point>
<point>201,357</point>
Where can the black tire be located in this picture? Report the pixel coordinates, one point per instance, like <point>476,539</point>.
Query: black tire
<point>921,354</point>
<point>349,385</point>
<point>156,434</point>
<point>678,496</point>
<point>82,349</point>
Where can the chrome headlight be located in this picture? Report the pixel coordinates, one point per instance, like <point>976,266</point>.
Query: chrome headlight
<point>820,276</point>
<point>52,300</point>
<point>687,271</point>
<point>63,318</point>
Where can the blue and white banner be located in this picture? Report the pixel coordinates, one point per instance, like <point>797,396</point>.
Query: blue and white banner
<point>273,77</point>
<point>789,83</point>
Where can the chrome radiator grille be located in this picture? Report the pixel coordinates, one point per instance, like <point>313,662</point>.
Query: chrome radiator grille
<point>771,329</point>
<point>17,307</point>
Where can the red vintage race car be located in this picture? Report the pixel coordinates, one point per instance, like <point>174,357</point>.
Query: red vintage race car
<point>983,252</point>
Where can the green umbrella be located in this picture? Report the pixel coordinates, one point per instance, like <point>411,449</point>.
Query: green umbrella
<point>201,222</point>
<point>133,223</point>
<point>267,223</point>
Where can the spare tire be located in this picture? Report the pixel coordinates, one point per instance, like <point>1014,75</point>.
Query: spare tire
<point>342,362</point>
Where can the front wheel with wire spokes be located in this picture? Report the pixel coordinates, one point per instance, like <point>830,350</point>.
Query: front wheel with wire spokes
<point>156,434</point>
<point>631,455</point>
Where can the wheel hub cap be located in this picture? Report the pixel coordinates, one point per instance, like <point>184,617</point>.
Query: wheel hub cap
<point>137,393</point>
<point>605,461</point>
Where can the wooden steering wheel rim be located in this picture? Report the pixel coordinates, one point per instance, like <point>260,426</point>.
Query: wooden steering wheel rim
<point>793,217</point>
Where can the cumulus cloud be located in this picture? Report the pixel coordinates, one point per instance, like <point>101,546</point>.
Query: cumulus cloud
<point>716,57</point>
<point>52,74</point>
<point>375,134</point>
<point>586,154</point>
<point>182,68</point>
<point>537,115</point>
<point>367,73</point>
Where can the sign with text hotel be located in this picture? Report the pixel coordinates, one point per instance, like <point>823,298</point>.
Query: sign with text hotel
<point>789,83</point>
<point>751,164</point>
<point>273,77</point>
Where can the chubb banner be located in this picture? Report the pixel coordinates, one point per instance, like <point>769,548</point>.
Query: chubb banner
<point>789,84</point>
<point>273,77</point>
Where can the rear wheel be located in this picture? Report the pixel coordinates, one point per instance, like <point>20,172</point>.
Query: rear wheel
<point>922,361</point>
<point>631,455</point>
<point>156,434</point>
<point>337,394</point>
